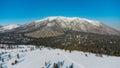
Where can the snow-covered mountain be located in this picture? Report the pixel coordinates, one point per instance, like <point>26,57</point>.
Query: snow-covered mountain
<point>58,25</point>
<point>9,27</point>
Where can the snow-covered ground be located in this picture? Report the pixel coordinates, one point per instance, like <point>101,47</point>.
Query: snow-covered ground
<point>45,58</point>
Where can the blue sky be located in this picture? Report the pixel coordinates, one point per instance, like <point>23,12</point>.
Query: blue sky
<point>24,11</point>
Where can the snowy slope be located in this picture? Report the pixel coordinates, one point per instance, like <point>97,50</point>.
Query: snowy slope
<point>37,59</point>
<point>9,27</point>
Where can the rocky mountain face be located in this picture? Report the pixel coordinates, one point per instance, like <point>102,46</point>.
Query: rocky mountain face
<point>54,26</point>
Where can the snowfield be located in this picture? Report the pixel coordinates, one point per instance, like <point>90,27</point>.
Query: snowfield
<point>46,57</point>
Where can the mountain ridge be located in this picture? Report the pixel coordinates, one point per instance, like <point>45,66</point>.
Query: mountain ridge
<point>58,25</point>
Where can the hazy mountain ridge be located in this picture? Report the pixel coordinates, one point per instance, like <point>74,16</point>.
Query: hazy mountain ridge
<point>9,27</point>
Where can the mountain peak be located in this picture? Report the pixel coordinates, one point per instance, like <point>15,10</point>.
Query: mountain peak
<point>70,19</point>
